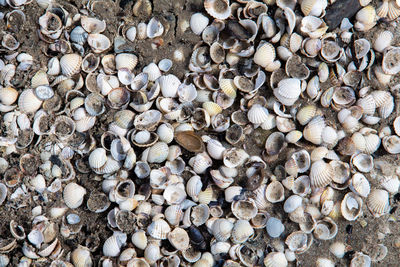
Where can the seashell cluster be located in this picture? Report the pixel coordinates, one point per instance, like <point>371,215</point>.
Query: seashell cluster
<point>280,122</point>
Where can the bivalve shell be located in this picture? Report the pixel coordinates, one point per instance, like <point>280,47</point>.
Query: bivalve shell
<point>275,259</point>
<point>378,202</point>
<point>321,174</point>
<point>70,64</point>
<point>73,195</point>
<point>159,229</point>
<point>219,9</point>
<point>198,22</point>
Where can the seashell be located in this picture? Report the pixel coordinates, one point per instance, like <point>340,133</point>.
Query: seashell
<point>363,162</point>
<point>321,174</point>
<point>169,85</point>
<point>276,259</point>
<point>9,42</point>
<point>338,249</point>
<point>265,55</point>
<point>81,257</point>
<point>360,260</point>
<point>90,63</point>
<point>152,253</point>
<point>313,7</point>
<point>383,41</point>
<point>198,22</point>
<point>298,241</point>
<point>97,158</point>
<point>218,9</point>
<point>147,120</point>
<point>222,229</point>
<point>296,69</point>
<point>313,26</point>
<point>159,229</point>
<point>98,42</point>
<point>126,60</point>
<point>257,114</point>
<point>199,214</point>
<point>275,192</point>
<point>165,64</point>
<point>179,239</point>
<point>378,202</point>
<point>389,63</point>
<point>28,102</point>
<point>244,209</point>
<point>190,141</point>
<point>93,25</point>
<point>154,28</point>
<point>73,195</point>
<point>139,239</point>
<point>326,229</point>
<point>288,91</point>
<point>112,246</point>
<point>63,127</point>
<point>8,95</point>
<point>351,206</point>
<point>241,232</point>
<point>274,227</point>
<point>174,193</point>
<point>234,157</point>
<point>391,144</point>
<point>313,131</point>
<point>70,64</point>
<point>78,35</point>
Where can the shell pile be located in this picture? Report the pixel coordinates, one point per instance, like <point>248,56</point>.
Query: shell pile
<point>278,120</point>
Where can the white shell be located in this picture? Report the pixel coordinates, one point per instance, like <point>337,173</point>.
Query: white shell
<point>158,153</point>
<point>112,246</point>
<point>275,259</point>
<point>139,239</point>
<point>241,231</point>
<point>8,95</point>
<point>73,195</point>
<point>198,22</point>
<point>288,91</point>
<point>158,229</point>
<point>97,158</point>
<point>98,42</point>
<point>383,41</point>
<point>274,227</point>
<point>70,64</point>
<point>219,9</point>
<point>257,114</point>
<point>378,202</point>
<point>169,85</point>
<point>28,102</point>
<point>321,174</point>
<point>154,28</point>
<point>351,206</point>
<point>126,60</point>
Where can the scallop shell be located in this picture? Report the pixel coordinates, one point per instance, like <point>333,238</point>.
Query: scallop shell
<point>219,9</point>
<point>257,114</point>
<point>378,202</point>
<point>73,195</point>
<point>70,64</point>
<point>321,174</point>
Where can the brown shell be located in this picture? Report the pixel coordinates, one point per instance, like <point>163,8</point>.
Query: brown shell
<point>190,141</point>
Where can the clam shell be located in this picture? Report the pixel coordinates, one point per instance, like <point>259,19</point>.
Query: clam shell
<point>360,260</point>
<point>257,114</point>
<point>78,35</point>
<point>244,209</point>
<point>298,241</point>
<point>275,259</point>
<point>313,131</point>
<point>190,141</point>
<point>265,55</point>
<point>98,42</point>
<point>8,95</point>
<point>383,41</point>
<point>219,9</point>
<point>126,60</point>
<point>198,22</point>
<point>81,257</point>
<point>390,64</point>
<point>222,229</point>
<point>321,174</point>
<point>70,64</point>
<point>28,102</point>
<point>3,192</point>
<point>288,91</point>
<point>275,192</point>
<point>112,245</point>
<point>169,85</point>
<point>241,232</point>
<point>93,25</point>
<point>97,158</point>
<point>179,238</point>
<point>200,214</point>
<point>378,202</point>
<point>159,229</point>
<point>351,206</point>
<point>73,195</point>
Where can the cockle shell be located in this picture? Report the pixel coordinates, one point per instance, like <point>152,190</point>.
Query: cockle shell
<point>93,25</point>
<point>321,174</point>
<point>198,22</point>
<point>8,95</point>
<point>265,55</point>
<point>275,259</point>
<point>73,195</point>
<point>257,114</point>
<point>112,246</point>
<point>81,257</point>
<point>28,102</point>
<point>219,9</point>
<point>98,42</point>
<point>70,64</point>
<point>378,202</point>
<point>288,91</point>
<point>159,229</point>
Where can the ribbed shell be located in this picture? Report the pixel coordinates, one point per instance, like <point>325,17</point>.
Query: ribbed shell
<point>275,259</point>
<point>169,85</point>
<point>8,95</point>
<point>158,153</point>
<point>378,202</point>
<point>288,91</point>
<point>228,87</point>
<point>265,55</point>
<point>159,229</point>
<point>305,114</point>
<point>313,131</point>
<point>73,195</point>
<point>222,229</point>
<point>257,114</point>
<point>70,64</point>
<point>126,60</point>
<point>112,246</point>
<point>97,158</point>
<point>193,186</point>
<point>321,174</point>
<point>383,40</point>
<point>241,231</point>
<point>28,102</point>
<point>212,108</point>
<point>81,257</point>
